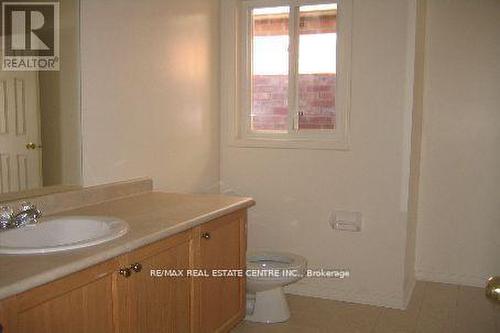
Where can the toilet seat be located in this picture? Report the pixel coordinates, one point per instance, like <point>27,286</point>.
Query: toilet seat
<point>275,261</point>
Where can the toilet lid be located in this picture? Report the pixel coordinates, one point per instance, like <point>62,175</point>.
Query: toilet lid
<point>275,260</point>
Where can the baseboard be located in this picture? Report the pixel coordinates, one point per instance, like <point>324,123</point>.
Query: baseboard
<point>444,277</point>
<point>409,292</point>
<point>346,295</point>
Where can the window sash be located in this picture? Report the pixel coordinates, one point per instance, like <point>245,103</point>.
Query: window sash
<point>293,131</point>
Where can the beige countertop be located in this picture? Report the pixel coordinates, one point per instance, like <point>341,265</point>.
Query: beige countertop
<point>151,217</point>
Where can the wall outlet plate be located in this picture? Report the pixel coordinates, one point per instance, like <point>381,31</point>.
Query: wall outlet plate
<point>342,220</point>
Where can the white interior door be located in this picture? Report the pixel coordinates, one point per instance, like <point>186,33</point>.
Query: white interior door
<point>20,162</point>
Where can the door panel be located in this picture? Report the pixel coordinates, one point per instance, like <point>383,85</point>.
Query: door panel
<point>8,315</point>
<point>87,309</point>
<point>156,304</point>
<point>20,167</point>
<point>222,298</point>
<point>3,107</point>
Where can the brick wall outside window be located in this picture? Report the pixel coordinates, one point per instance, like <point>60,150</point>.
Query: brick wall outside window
<point>270,102</point>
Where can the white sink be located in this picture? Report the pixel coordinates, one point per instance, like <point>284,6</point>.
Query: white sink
<point>62,233</point>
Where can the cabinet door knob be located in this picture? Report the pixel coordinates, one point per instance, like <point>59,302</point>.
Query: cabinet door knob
<point>31,145</point>
<point>125,272</point>
<point>136,267</point>
<point>205,235</point>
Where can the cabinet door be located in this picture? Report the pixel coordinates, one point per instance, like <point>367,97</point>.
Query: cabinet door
<point>149,304</point>
<point>8,315</point>
<point>79,303</point>
<point>220,244</point>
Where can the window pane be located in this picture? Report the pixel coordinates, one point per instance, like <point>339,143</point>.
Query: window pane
<point>270,43</point>
<point>317,67</point>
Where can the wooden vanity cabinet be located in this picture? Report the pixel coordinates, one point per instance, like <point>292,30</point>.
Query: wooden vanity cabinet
<point>122,295</point>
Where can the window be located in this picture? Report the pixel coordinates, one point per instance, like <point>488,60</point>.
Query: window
<point>289,76</point>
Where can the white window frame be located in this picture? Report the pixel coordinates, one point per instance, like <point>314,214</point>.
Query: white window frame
<point>236,79</point>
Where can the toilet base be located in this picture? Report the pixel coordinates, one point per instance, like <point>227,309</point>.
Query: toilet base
<point>269,306</point>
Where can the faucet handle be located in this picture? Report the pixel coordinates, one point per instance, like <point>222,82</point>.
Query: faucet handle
<point>26,205</point>
<point>27,214</point>
<point>6,212</point>
<point>6,215</point>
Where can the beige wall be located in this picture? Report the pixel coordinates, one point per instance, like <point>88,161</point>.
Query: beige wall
<point>459,210</point>
<point>296,190</point>
<point>60,106</point>
<point>150,108</point>
<point>150,92</point>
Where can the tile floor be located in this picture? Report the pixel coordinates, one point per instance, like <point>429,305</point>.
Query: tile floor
<point>434,307</point>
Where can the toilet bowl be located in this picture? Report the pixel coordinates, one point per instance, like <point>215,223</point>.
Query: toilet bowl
<point>267,273</point>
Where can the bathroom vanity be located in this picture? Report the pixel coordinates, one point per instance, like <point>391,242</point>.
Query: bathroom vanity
<point>150,280</point>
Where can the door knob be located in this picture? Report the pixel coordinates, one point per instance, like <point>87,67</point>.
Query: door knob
<point>125,272</point>
<point>493,289</point>
<point>205,235</point>
<point>136,267</point>
<point>31,145</point>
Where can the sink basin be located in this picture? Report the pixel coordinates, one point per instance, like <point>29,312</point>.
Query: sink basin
<point>62,233</point>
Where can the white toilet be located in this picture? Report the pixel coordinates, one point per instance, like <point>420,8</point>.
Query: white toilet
<point>267,273</point>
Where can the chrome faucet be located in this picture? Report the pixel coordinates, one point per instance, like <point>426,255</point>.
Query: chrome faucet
<point>27,214</point>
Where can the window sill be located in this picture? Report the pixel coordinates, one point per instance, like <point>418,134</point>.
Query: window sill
<point>313,144</point>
